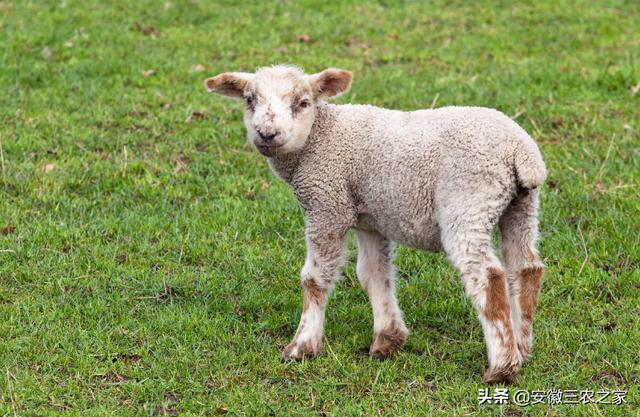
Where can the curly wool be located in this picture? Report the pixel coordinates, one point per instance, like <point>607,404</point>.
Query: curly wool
<point>408,175</point>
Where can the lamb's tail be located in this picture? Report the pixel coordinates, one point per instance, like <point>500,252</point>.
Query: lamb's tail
<point>529,166</point>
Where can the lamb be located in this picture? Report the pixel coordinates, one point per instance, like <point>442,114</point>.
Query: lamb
<point>434,180</point>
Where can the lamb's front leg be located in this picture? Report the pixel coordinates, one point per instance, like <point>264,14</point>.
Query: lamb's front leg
<point>376,275</point>
<point>324,259</point>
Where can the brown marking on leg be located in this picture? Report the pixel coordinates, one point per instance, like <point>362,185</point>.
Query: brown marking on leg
<point>312,293</point>
<point>530,281</point>
<point>388,341</point>
<point>497,309</point>
<point>305,350</point>
<point>296,350</point>
<point>497,306</point>
<point>286,353</point>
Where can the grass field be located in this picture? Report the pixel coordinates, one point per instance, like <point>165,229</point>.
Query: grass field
<point>149,261</point>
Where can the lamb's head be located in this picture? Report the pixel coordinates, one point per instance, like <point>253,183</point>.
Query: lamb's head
<point>281,103</point>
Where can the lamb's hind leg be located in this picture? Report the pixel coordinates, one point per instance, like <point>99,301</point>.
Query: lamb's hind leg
<point>376,275</point>
<point>519,229</point>
<point>484,279</point>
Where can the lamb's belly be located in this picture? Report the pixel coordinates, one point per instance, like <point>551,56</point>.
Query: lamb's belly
<point>418,232</point>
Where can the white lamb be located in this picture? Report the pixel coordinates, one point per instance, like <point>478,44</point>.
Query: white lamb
<point>428,179</point>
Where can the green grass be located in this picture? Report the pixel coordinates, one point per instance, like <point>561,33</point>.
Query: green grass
<point>149,264</point>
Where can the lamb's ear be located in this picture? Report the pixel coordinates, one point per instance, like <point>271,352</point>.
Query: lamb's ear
<point>230,84</point>
<point>331,82</point>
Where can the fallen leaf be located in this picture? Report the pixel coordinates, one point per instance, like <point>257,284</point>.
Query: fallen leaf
<point>552,184</point>
<point>4,6</point>
<point>147,30</point>
<point>195,115</point>
<point>165,411</point>
<point>181,166</point>
<point>134,358</point>
<point>197,68</point>
<point>49,167</point>
<point>635,89</point>
<point>7,230</point>
<point>172,397</point>
<point>46,53</point>
<point>305,38</point>
<point>557,122</point>
<point>148,73</point>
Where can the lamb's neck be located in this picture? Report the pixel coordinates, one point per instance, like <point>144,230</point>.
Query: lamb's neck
<point>286,165</point>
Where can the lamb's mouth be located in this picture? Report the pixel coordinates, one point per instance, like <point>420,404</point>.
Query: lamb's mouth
<point>269,150</point>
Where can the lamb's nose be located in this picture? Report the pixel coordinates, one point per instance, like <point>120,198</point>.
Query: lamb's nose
<point>267,137</point>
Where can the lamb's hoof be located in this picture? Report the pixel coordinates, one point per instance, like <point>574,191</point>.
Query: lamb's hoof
<point>388,342</point>
<point>297,350</point>
<point>503,375</point>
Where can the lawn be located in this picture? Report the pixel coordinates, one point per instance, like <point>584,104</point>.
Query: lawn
<point>149,260</point>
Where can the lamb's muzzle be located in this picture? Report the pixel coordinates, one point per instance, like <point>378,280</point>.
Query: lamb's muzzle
<point>430,179</point>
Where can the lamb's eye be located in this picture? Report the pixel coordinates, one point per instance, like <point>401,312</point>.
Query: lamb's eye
<point>249,100</point>
<point>304,104</point>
